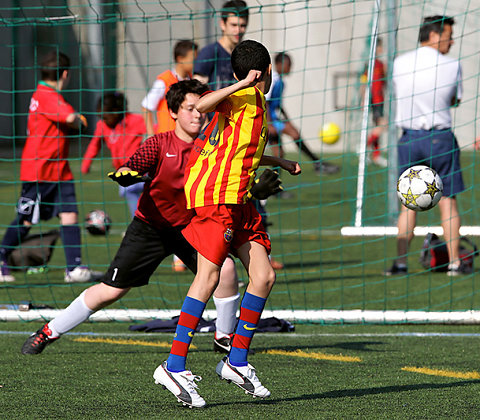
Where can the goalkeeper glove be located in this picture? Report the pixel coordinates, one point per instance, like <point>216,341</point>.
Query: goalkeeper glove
<point>268,184</point>
<point>127,178</point>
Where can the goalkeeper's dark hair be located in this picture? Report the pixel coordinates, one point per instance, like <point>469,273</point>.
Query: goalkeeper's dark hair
<point>53,64</point>
<point>113,102</point>
<point>434,24</point>
<point>249,55</point>
<point>178,91</point>
<point>235,8</point>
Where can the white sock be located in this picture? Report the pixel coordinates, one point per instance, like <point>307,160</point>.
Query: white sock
<point>226,315</point>
<point>73,315</point>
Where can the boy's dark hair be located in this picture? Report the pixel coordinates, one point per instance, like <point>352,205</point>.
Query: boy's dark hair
<point>177,92</point>
<point>182,48</point>
<point>112,102</point>
<point>434,24</point>
<point>281,57</point>
<point>249,55</point>
<point>53,65</point>
<point>234,7</point>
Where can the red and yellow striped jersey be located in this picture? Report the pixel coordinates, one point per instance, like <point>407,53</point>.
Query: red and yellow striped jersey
<point>226,154</point>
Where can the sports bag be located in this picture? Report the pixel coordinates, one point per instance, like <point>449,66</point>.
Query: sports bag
<point>434,254</point>
<point>35,250</point>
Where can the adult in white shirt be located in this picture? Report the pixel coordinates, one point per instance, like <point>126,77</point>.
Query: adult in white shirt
<point>426,84</point>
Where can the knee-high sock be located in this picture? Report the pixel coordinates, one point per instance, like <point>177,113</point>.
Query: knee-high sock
<point>226,315</point>
<point>192,310</point>
<point>250,312</point>
<point>73,315</point>
<point>71,245</point>
<point>12,238</point>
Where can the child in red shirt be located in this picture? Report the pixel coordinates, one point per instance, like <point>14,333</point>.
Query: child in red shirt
<point>122,132</point>
<point>47,181</point>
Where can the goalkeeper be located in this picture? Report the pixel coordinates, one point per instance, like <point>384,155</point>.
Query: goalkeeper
<point>155,231</point>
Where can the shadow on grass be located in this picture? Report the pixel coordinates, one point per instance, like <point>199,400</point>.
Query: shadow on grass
<point>358,346</point>
<point>319,264</point>
<point>360,392</point>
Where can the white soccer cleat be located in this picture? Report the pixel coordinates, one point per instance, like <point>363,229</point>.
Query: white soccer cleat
<point>81,274</point>
<point>242,376</point>
<point>5,276</point>
<point>181,384</point>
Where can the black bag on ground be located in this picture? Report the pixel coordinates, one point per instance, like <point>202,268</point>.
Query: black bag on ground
<point>434,254</point>
<point>35,250</point>
<point>271,324</point>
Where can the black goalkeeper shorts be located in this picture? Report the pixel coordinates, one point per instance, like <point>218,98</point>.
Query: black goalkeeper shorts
<point>142,250</point>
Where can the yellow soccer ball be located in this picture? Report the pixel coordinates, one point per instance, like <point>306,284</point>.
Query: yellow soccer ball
<point>329,133</point>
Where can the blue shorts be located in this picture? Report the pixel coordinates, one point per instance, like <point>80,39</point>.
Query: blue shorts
<point>278,125</point>
<point>437,149</point>
<point>44,200</point>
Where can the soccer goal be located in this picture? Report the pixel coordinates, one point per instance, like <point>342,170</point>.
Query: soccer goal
<point>333,232</point>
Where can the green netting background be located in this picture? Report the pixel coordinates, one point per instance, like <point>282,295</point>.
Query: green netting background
<point>124,45</point>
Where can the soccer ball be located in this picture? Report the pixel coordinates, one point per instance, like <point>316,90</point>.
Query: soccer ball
<point>97,222</point>
<point>419,188</point>
<point>329,133</point>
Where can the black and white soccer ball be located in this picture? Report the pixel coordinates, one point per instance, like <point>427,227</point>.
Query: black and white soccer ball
<point>98,222</point>
<point>419,188</point>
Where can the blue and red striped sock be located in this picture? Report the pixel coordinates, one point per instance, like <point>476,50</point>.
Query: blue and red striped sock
<point>250,311</point>
<point>190,315</point>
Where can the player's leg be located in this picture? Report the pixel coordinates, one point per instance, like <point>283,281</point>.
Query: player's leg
<point>407,220</point>
<point>226,298</point>
<point>28,213</point>
<point>172,373</point>
<point>88,302</point>
<point>235,367</point>
<point>142,249</point>
<point>131,194</point>
<point>63,196</point>
<point>451,222</point>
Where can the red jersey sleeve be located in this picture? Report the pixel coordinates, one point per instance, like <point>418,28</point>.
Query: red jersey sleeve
<point>146,156</point>
<point>93,148</point>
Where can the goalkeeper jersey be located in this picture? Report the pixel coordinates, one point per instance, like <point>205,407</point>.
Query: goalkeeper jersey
<point>162,203</point>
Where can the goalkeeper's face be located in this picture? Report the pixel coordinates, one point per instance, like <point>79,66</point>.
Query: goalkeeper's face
<point>189,120</point>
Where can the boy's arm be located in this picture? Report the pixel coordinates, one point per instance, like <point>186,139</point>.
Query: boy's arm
<point>290,166</point>
<point>149,123</point>
<point>209,102</point>
<point>76,120</point>
<point>92,151</point>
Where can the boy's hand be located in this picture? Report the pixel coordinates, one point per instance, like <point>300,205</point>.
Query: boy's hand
<point>268,184</point>
<point>127,177</point>
<point>292,167</point>
<point>253,77</point>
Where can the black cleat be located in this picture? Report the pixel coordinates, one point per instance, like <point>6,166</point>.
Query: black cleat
<point>38,341</point>
<point>222,345</point>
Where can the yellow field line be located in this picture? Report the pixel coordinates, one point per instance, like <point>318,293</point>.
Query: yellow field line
<point>163,344</point>
<point>317,356</point>
<point>441,372</point>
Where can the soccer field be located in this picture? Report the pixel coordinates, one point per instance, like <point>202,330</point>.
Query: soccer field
<point>101,370</point>
<point>319,372</point>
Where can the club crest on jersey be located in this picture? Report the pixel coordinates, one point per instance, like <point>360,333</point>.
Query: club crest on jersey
<point>228,235</point>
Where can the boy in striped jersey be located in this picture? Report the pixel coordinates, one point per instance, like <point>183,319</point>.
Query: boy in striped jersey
<point>218,179</point>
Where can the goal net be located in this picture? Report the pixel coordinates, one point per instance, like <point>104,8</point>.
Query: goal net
<point>333,232</point>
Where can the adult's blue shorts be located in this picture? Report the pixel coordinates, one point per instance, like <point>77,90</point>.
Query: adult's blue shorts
<point>437,149</point>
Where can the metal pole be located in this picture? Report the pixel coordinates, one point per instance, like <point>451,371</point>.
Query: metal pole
<point>392,129</point>
<point>362,154</point>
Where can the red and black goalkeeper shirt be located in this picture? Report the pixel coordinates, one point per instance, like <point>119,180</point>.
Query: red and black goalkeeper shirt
<point>164,157</point>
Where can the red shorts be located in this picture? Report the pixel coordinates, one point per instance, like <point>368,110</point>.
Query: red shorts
<point>215,231</point>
